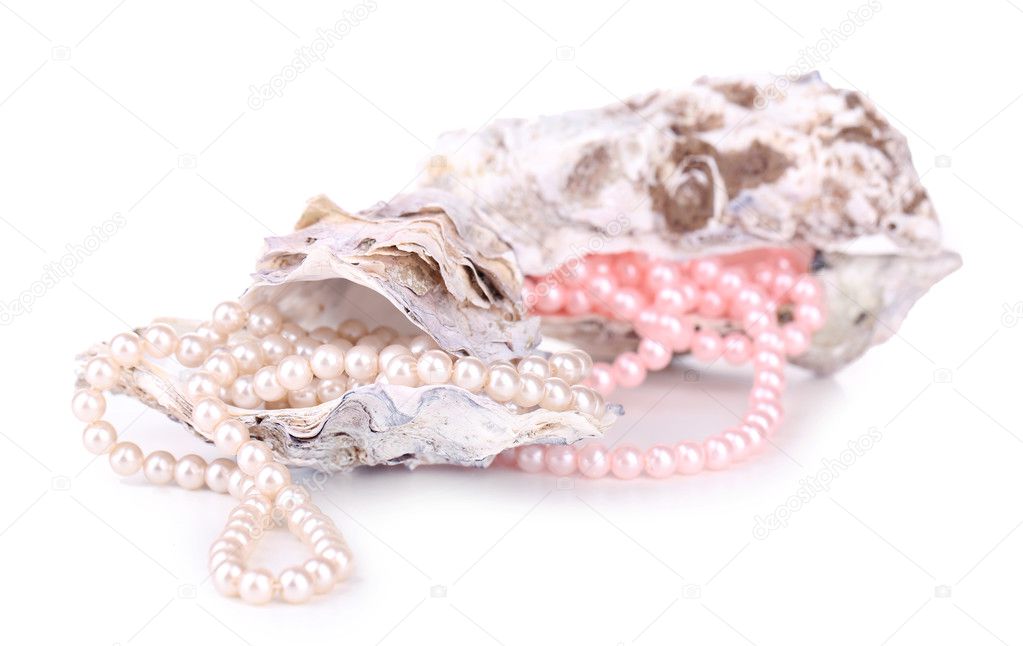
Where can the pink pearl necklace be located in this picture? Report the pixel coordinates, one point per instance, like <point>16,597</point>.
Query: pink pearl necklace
<point>768,312</point>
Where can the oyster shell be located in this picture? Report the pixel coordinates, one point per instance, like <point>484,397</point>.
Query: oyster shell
<point>717,168</point>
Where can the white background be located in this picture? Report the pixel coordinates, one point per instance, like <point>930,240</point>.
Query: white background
<point>142,109</point>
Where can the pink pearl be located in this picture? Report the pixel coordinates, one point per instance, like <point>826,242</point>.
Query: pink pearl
<point>577,302</point>
<point>756,439</point>
<point>550,297</point>
<point>530,458</point>
<point>796,339</point>
<point>756,321</point>
<point>729,283</point>
<point>506,458</point>
<point>737,348</point>
<point>738,444</point>
<point>626,303</point>
<point>770,340</point>
<point>626,462</point>
<point>758,421</point>
<point>674,332</point>
<point>772,410</point>
<point>655,355</point>
<point>659,462</point>
<point>749,298</point>
<point>602,378</point>
<point>807,290</point>
<point>767,360</point>
<point>770,379</point>
<point>647,322</point>
<point>529,293</point>
<point>629,270</point>
<point>763,275</point>
<point>783,282</point>
<point>594,461</point>
<point>712,305</point>
<point>707,345</point>
<point>689,457</point>
<point>716,451</point>
<point>574,272</point>
<point>810,317</point>
<point>598,265</point>
<point>762,393</point>
<point>661,275</point>
<point>629,370</point>
<point>561,460</point>
<point>705,271</point>
<point>601,289</point>
<point>670,299</point>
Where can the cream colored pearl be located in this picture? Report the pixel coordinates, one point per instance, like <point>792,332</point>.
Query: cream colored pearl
<point>402,371</point>
<point>331,389</point>
<point>557,395</point>
<point>207,413</point>
<point>243,393</point>
<point>253,456</point>
<point>229,317</point>
<point>271,478</point>
<point>221,367</point>
<point>568,366</point>
<point>296,586</point>
<point>101,373</point>
<point>305,346</point>
<point>190,472</point>
<point>534,365</point>
<point>230,434</point>
<point>530,391</point>
<point>586,400</point>
<point>201,384</point>
<point>88,405</point>
<point>361,362</point>
<point>238,483</point>
<point>341,560</point>
<point>294,372</point>
<point>321,573</point>
<point>226,578</point>
<point>192,350</point>
<point>292,331</point>
<point>158,467</point>
<point>502,383</point>
<point>125,458</point>
<point>292,496</point>
<point>586,360</point>
<point>218,473</point>
<point>159,340</point>
<point>470,373</point>
<point>126,349</point>
<point>248,356</point>
<point>434,367</point>
<point>299,515</point>
<point>264,320</point>
<point>388,334</point>
<point>266,385</point>
<point>420,344</point>
<point>303,397</point>
<point>98,437</point>
<point>352,330</point>
<point>256,587</point>
<point>275,347</point>
<point>372,341</point>
<point>390,352</point>
<point>323,334</point>
<point>210,335</point>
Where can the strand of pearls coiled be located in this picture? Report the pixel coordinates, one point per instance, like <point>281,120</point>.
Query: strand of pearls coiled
<point>772,311</point>
<point>255,360</point>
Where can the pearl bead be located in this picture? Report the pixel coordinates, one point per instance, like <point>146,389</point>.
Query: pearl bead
<point>340,559</point>
<point>585,360</point>
<point>587,401</point>
<point>125,458</point>
<point>253,456</point>
<point>372,341</point>
<point>275,347</point>
<point>210,335</point>
<point>303,397</point>
<point>190,472</point>
<point>402,371</point>
<point>659,462</point>
<point>809,316</point>
<point>331,389</point>
<point>158,467</point>
<point>530,391</point>
<point>256,587</point>
<point>321,574</point>
<point>218,473</point>
<point>602,377</point>
<point>294,372</point>
<point>226,578</point>
<point>159,340</point>
<point>296,586</point>
<point>248,356</point>
<point>420,344</point>
<point>707,345</point>
<point>305,346</point>
<point>352,330</point>
<point>470,373</point>
<point>568,366</point>
<point>689,457</point>
<point>243,393</point>
<point>737,348</point>
<point>361,362</point>
<point>126,349</point>
<point>291,496</point>
<point>266,386</point>
<point>716,453</point>
<point>101,373</point>
<point>238,483</point>
<point>99,436</point>
<point>534,365</point>
<point>264,320</point>
<point>221,367</point>
<point>192,350</point>
<point>560,460</point>
<point>797,341</point>
<point>434,367</point>
<point>230,434</point>
<point>629,370</point>
<point>201,385</point>
<point>229,317</point>
<point>738,444</point>
<point>626,462</point>
<point>531,458</point>
<point>88,405</point>
<point>327,361</point>
<point>299,515</point>
<point>502,383</point>
<point>593,461</point>
<point>271,478</point>
<point>207,413</point>
<point>654,354</point>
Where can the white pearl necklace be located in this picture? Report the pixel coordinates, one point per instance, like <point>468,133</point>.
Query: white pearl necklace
<point>256,360</point>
